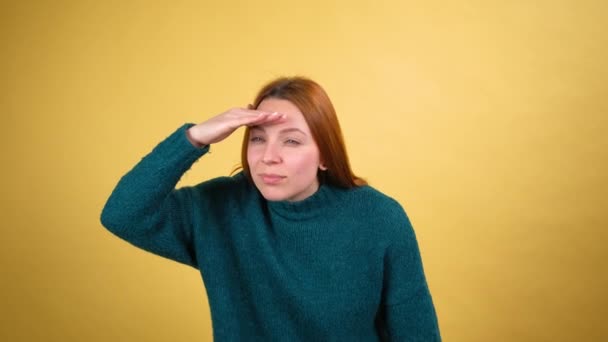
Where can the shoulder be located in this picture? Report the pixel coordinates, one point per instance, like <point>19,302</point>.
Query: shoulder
<point>382,212</point>
<point>375,201</point>
<point>222,183</point>
<point>221,188</point>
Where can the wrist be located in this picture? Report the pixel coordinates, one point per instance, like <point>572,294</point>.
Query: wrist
<point>191,135</point>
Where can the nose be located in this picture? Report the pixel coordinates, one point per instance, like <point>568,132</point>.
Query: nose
<point>271,154</point>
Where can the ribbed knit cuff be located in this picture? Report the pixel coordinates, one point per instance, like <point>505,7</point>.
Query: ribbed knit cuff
<point>177,150</point>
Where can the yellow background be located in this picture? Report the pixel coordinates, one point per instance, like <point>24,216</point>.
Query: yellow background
<point>486,119</point>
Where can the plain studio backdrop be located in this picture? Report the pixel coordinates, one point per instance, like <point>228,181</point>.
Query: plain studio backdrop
<point>487,120</point>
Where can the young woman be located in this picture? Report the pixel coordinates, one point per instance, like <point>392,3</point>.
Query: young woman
<point>294,247</point>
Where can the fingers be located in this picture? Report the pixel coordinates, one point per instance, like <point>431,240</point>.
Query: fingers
<point>251,117</point>
<point>219,127</point>
<point>269,119</point>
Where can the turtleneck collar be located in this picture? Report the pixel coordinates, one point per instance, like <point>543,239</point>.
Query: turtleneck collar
<point>323,199</point>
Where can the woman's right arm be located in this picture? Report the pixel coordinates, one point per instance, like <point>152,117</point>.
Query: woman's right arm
<point>146,210</point>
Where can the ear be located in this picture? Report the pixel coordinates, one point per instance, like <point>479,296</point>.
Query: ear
<point>322,167</point>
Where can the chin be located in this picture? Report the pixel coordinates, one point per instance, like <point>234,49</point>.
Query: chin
<point>273,195</point>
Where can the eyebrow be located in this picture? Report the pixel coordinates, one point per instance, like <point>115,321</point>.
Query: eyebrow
<point>285,130</point>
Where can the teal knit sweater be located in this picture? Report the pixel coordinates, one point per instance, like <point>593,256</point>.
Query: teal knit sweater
<point>341,265</point>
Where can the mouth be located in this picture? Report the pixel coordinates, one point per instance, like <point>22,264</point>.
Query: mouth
<point>271,179</point>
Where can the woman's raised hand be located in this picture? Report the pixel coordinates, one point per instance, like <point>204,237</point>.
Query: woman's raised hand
<point>221,126</point>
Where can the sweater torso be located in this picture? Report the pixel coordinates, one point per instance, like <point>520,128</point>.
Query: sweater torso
<point>292,268</point>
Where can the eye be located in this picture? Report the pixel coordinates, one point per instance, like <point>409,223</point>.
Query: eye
<point>292,142</point>
<point>256,140</point>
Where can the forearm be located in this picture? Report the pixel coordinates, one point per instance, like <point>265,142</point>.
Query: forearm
<point>144,189</point>
<point>413,320</point>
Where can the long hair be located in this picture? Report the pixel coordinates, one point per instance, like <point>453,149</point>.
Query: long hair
<point>321,118</point>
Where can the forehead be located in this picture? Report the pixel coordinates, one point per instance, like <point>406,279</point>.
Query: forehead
<point>294,117</point>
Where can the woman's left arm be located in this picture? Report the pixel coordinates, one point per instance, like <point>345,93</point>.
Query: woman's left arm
<point>407,312</point>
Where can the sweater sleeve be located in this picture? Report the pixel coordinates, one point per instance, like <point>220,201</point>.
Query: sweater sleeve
<point>407,310</point>
<point>146,210</point>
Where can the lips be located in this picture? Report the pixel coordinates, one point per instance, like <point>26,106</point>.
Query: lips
<point>271,179</point>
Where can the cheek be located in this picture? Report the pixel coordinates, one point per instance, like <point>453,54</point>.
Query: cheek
<point>252,156</point>
<point>305,163</point>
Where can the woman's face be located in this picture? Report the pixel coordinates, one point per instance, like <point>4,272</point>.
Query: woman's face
<point>283,157</point>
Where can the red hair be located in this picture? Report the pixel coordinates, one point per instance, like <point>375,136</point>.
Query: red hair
<point>321,118</point>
